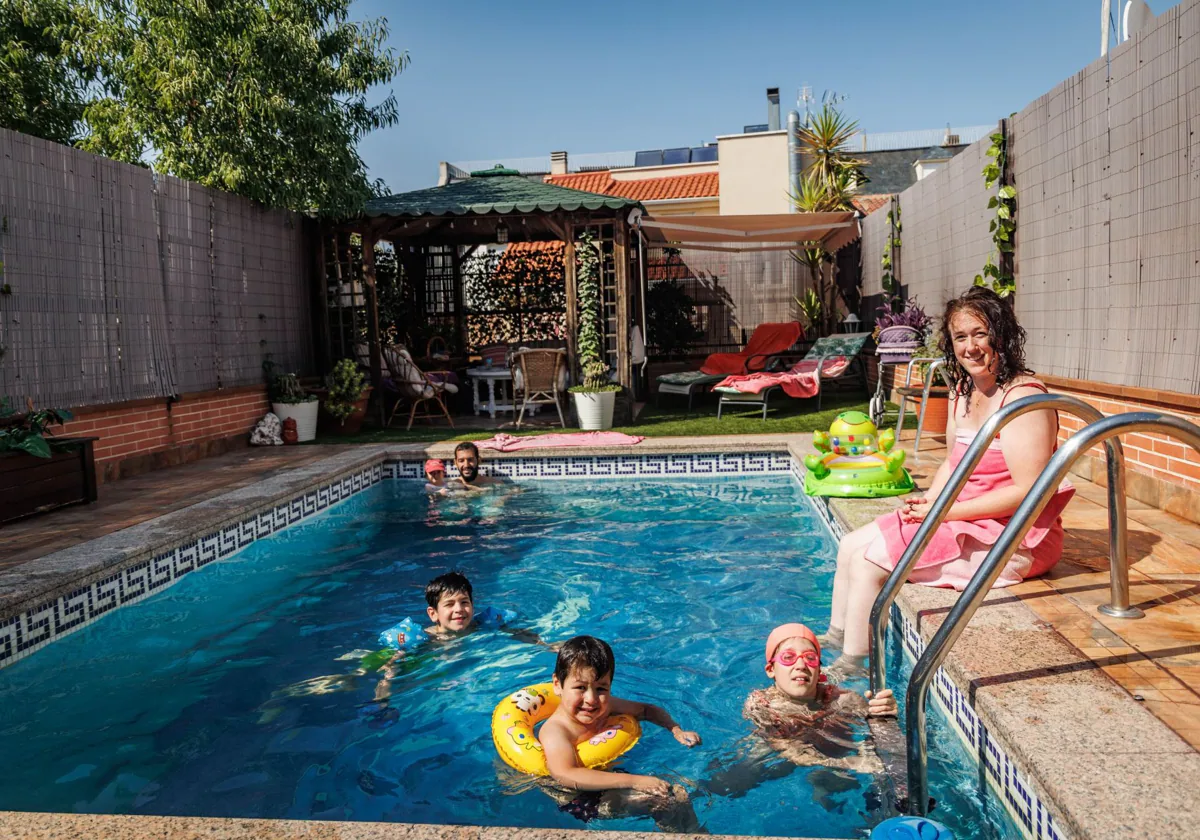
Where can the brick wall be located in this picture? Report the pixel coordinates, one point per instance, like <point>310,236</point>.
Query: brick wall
<point>1160,471</point>
<point>148,434</point>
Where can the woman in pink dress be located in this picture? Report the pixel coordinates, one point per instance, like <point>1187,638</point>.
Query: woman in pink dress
<point>986,361</point>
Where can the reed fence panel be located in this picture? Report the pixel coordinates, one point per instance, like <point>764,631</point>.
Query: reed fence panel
<point>120,284</point>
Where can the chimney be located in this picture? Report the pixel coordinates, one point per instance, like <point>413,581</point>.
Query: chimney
<point>773,109</point>
<point>950,139</point>
<point>558,163</point>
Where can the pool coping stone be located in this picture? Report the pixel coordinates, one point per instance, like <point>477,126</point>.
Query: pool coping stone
<point>53,826</point>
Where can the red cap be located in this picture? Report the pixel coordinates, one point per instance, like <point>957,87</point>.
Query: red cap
<point>789,631</point>
<point>434,465</point>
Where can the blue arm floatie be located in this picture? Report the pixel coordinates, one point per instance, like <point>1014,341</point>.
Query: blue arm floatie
<point>406,635</point>
<point>491,617</point>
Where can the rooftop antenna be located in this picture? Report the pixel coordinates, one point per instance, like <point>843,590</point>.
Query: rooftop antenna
<point>804,100</point>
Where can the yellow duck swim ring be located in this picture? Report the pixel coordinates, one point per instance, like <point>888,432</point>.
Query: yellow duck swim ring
<point>856,460</point>
<point>517,714</point>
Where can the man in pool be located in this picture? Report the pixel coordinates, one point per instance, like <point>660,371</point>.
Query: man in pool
<point>466,459</point>
<point>583,678</point>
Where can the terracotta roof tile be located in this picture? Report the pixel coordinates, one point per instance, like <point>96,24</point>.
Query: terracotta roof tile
<point>692,185</point>
<point>868,204</point>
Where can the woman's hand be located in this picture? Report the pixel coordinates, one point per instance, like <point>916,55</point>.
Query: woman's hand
<point>915,509</point>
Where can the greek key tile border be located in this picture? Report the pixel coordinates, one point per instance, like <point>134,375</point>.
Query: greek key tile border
<point>33,629</point>
<point>617,466</point>
<point>1028,812</point>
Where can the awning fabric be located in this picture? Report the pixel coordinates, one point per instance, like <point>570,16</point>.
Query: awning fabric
<point>770,232</point>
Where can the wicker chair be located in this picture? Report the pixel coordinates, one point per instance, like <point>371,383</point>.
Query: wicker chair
<point>417,387</point>
<point>537,379</point>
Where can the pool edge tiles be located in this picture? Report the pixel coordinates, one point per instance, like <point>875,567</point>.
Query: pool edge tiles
<point>27,631</point>
<point>1028,812</point>
<point>658,465</point>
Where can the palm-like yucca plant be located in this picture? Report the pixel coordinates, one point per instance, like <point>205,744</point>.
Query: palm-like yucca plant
<point>825,138</point>
<point>828,185</point>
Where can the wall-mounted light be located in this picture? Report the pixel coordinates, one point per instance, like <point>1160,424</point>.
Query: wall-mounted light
<point>501,233</point>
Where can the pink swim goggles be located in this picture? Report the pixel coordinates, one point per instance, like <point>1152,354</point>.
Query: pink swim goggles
<point>788,658</point>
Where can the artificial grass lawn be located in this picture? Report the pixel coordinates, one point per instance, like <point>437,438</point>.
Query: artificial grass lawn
<point>672,420</point>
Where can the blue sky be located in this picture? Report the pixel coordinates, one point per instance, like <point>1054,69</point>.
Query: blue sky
<point>524,78</point>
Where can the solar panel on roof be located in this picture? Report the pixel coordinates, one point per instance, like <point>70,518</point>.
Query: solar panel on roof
<point>674,156</point>
<point>704,154</point>
<point>653,157</point>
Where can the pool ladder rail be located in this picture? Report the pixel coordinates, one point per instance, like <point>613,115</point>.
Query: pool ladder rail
<point>1100,429</point>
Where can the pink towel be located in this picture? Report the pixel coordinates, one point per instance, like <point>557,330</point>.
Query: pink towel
<point>799,381</point>
<point>954,539</point>
<point>510,443</point>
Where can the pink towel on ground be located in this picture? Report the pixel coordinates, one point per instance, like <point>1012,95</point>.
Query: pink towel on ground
<point>1043,541</point>
<point>501,442</point>
<point>799,381</point>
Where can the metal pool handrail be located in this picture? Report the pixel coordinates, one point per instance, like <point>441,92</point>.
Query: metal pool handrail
<point>1119,606</point>
<point>939,646</point>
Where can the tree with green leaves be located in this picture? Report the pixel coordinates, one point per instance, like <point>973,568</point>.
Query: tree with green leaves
<point>830,179</point>
<point>41,83</point>
<point>264,98</point>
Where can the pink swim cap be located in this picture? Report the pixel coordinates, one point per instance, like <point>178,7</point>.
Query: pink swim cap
<point>434,465</point>
<point>789,631</point>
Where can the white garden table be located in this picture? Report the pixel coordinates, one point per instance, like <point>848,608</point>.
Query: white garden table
<point>493,376</point>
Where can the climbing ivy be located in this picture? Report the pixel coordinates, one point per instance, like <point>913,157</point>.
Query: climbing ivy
<point>1004,202</point>
<point>891,288</point>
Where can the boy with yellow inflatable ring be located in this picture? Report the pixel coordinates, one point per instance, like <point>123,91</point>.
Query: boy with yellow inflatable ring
<point>585,726</point>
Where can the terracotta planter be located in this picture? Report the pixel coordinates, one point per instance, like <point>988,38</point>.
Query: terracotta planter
<point>31,485</point>
<point>938,412</point>
<point>330,425</point>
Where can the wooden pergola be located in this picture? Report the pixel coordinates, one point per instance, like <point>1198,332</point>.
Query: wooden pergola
<point>492,206</point>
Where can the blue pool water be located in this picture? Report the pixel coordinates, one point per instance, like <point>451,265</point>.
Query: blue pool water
<point>234,692</point>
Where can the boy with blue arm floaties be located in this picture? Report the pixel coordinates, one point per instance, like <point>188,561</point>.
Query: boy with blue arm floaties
<point>451,608</point>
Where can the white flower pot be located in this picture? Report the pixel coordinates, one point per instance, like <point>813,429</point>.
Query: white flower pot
<point>305,415</point>
<point>595,410</point>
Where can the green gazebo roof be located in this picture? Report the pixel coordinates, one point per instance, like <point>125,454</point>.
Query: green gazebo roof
<point>492,191</point>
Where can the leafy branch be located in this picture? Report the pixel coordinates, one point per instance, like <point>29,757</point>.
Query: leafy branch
<point>1004,226</point>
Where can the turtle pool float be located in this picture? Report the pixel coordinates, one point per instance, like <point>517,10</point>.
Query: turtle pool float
<point>856,461</point>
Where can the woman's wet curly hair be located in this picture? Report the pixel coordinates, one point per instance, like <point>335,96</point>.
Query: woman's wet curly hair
<point>1007,337</point>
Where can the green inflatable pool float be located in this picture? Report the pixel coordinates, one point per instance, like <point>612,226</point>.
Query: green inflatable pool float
<point>859,462</point>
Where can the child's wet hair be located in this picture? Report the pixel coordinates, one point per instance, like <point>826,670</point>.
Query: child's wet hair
<point>584,652</point>
<point>448,584</point>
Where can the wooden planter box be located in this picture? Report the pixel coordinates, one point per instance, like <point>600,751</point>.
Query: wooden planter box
<point>30,485</point>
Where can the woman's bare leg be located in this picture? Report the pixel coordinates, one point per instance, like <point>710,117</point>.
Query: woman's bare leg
<point>866,581</point>
<point>853,545</point>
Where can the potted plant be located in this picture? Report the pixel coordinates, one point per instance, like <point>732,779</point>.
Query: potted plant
<point>346,398</point>
<point>595,398</point>
<point>39,472</point>
<point>289,399</point>
<point>900,334</point>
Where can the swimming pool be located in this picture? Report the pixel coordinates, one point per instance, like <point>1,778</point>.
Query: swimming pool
<point>233,693</point>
